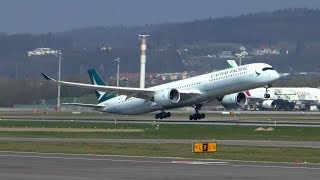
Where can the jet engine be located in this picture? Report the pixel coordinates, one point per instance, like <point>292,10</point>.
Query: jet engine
<point>167,97</point>
<point>234,101</point>
<point>269,104</point>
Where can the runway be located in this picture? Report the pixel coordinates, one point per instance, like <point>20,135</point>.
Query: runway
<point>35,166</point>
<point>304,144</point>
<point>15,165</point>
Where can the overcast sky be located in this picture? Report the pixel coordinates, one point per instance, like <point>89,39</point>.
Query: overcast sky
<point>40,16</point>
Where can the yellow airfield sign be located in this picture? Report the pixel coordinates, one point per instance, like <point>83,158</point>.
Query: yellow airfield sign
<point>204,147</point>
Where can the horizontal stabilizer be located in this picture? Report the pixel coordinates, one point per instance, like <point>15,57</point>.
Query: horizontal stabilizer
<point>84,105</point>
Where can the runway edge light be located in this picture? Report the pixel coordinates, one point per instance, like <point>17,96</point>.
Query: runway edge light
<point>204,147</point>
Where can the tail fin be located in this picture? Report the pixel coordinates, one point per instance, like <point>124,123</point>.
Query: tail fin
<point>97,80</point>
<point>231,64</point>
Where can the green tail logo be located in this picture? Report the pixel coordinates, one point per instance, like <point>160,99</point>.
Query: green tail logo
<point>97,80</point>
<point>231,64</point>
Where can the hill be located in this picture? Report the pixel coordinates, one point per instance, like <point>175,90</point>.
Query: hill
<point>292,30</point>
<point>267,27</point>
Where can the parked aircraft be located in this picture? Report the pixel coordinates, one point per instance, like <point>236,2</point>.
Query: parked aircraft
<point>289,94</point>
<point>224,84</point>
<point>285,97</point>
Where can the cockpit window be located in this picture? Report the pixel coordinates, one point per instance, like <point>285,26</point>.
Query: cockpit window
<point>267,68</point>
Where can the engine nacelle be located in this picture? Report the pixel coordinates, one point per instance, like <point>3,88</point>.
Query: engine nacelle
<point>269,104</point>
<point>167,97</point>
<point>234,101</point>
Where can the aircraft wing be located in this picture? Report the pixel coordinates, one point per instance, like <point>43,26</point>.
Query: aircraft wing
<point>130,92</point>
<point>147,94</point>
<point>186,94</point>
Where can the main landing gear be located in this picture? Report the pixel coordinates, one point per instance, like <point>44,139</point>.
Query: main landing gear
<point>197,115</point>
<point>267,95</point>
<point>162,115</point>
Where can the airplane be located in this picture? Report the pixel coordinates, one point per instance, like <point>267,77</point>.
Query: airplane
<point>288,94</point>
<point>192,92</point>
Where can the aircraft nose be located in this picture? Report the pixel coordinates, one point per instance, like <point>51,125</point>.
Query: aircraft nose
<point>276,75</point>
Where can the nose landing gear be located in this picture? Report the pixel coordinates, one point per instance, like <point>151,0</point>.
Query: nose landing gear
<point>267,95</point>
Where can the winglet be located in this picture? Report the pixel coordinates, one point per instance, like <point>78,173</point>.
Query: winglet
<point>47,77</point>
<point>231,64</point>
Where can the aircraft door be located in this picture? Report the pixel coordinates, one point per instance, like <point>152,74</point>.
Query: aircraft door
<point>251,72</point>
<point>205,82</point>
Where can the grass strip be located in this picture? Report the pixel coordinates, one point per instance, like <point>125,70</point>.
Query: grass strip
<point>248,153</point>
<point>73,130</point>
<point>165,131</point>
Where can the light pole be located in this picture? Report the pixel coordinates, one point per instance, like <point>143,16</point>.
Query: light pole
<point>59,78</point>
<point>243,53</point>
<point>118,60</point>
<point>240,55</point>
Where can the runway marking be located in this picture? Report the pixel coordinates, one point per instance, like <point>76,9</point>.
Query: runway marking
<point>72,158</point>
<point>198,162</point>
<point>210,163</point>
<point>265,166</point>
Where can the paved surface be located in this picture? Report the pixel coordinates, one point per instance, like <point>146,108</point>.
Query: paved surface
<point>33,166</point>
<point>259,118</point>
<point>307,144</point>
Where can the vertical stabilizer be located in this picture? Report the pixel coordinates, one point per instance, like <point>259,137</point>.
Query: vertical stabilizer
<point>97,80</point>
<point>231,64</point>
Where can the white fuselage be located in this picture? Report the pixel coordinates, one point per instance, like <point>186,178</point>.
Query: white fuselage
<point>211,85</point>
<point>287,93</point>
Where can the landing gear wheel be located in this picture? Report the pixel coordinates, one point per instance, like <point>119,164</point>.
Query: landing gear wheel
<point>162,115</point>
<point>202,116</point>
<point>197,115</point>
<point>267,95</point>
